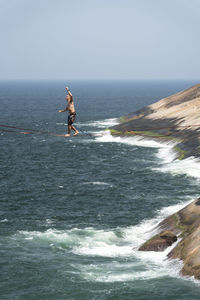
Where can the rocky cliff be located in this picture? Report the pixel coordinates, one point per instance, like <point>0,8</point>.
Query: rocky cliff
<point>175,118</point>
<point>185,225</point>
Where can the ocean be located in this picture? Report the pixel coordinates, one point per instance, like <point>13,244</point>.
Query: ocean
<point>75,210</point>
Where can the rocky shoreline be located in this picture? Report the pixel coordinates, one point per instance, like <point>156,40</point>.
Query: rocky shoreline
<point>183,225</point>
<point>175,119</point>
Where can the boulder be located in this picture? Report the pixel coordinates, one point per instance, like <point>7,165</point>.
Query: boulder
<point>159,242</point>
<point>186,224</point>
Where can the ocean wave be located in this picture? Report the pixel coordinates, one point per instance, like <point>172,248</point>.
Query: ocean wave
<point>99,123</point>
<point>167,156</point>
<point>119,246</point>
<point>4,221</point>
<point>189,166</point>
<point>98,183</point>
<point>105,136</point>
<point>131,270</point>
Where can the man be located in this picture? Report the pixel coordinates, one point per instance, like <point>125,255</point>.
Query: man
<point>72,114</point>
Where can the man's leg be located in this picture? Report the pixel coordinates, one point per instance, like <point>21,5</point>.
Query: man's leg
<point>76,131</point>
<point>69,130</point>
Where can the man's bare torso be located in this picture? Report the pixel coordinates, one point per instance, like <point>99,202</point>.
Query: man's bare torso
<point>70,106</point>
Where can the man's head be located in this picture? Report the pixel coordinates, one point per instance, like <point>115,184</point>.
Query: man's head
<point>69,98</point>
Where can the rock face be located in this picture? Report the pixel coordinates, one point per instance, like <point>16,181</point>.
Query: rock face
<point>173,118</point>
<point>159,242</point>
<point>186,224</point>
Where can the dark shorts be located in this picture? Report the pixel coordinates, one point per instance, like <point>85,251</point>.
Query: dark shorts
<point>71,119</point>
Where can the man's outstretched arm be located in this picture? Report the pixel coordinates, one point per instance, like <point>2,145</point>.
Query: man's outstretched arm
<point>68,91</point>
<point>63,110</point>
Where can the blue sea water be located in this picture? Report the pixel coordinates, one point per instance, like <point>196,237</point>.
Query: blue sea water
<point>75,210</point>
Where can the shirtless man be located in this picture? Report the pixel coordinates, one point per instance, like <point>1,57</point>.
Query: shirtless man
<point>72,114</point>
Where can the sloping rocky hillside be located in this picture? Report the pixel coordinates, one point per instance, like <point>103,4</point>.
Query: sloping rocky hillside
<point>175,118</point>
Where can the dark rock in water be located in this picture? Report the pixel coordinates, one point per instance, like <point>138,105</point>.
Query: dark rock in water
<point>169,237</point>
<point>159,242</point>
<point>185,223</point>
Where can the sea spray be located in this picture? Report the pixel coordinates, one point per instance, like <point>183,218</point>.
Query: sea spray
<point>189,166</point>
<point>166,154</point>
<point>99,123</point>
<point>106,137</point>
<point>119,244</point>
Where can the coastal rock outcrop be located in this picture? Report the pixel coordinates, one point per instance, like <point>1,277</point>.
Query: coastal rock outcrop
<point>175,118</point>
<point>159,242</point>
<point>186,225</point>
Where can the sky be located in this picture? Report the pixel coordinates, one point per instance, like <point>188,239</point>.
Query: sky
<point>100,39</point>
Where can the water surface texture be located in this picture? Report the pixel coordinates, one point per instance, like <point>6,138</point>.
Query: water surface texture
<point>74,210</point>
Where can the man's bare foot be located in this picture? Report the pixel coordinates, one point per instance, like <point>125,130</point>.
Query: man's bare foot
<point>67,134</point>
<point>77,132</point>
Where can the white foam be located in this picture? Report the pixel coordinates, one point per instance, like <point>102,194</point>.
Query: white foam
<point>189,166</point>
<point>50,236</point>
<point>167,156</point>
<point>4,221</point>
<point>129,271</point>
<point>103,243</point>
<point>106,137</point>
<point>124,262</point>
<point>97,183</point>
<point>138,265</point>
<point>100,123</point>
<point>135,266</point>
<point>138,234</point>
<point>49,221</point>
<point>108,243</point>
<point>61,124</point>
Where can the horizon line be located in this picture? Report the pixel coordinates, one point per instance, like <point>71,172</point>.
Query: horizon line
<point>100,79</point>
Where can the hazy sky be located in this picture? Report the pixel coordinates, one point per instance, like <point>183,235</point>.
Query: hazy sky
<point>100,39</point>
